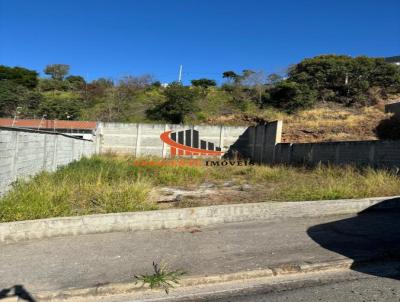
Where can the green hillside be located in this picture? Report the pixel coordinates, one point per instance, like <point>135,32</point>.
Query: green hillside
<point>244,97</point>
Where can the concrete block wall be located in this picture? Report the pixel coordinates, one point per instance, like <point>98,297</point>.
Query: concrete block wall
<point>393,108</point>
<point>144,139</point>
<point>379,154</point>
<point>258,142</point>
<point>263,145</point>
<point>24,153</point>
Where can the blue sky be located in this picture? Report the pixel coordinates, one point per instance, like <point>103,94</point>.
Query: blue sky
<point>113,38</point>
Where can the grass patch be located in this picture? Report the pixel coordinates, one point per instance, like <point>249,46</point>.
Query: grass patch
<point>108,184</point>
<point>161,278</point>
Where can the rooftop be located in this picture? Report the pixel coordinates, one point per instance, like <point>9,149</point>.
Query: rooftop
<point>48,124</point>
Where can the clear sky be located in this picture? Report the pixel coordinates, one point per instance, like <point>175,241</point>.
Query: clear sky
<point>113,38</point>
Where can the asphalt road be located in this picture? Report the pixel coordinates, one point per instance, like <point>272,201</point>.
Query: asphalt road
<point>89,260</point>
<point>335,286</point>
<point>362,290</point>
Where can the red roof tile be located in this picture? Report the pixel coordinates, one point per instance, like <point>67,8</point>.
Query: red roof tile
<point>48,124</point>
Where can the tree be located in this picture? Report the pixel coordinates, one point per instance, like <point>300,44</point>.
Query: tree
<point>156,84</point>
<point>247,73</point>
<point>274,78</point>
<point>19,76</point>
<point>180,102</point>
<point>60,105</point>
<point>389,129</point>
<point>103,82</point>
<point>255,81</point>
<point>13,96</point>
<point>76,82</point>
<point>345,79</point>
<point>57,71</point>
<point>291,96</point>
<point>231,76</point>
<point>53,85</point>
<point>136,82</point>
<point>204,83</point>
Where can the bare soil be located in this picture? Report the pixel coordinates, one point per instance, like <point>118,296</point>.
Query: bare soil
<point>209,194</point>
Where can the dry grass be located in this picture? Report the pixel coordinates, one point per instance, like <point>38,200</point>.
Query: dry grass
<point>332,123</point>
<point>325,182</point>
<point>325,122</point>
<point>107,184</point>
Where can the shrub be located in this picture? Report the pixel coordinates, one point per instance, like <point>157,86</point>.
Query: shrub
<point>180,103</point>
<point>204,83</point>
<point>389,128</point>
<point>291,96</point>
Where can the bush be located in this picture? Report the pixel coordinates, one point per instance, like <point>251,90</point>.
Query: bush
<point>60,105</point>
<point>180,103</point>
<point>345,79</point>
<point>389,129</point>
<point>19,76</point>
<point>291,96</point>
<point>204,83</point>
<point>14,95</point>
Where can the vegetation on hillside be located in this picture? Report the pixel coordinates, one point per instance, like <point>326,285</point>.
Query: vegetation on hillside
<point>344,80</point>
<point>109,184</point>
<point>389,129</point>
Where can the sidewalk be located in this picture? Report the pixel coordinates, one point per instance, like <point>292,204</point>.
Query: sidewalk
<point>89,260</point>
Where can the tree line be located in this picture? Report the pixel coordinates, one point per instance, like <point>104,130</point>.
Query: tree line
<point>351,81</point>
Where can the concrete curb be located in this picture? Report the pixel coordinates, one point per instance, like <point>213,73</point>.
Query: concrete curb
<point>269,273</point>
<point>188,217</point>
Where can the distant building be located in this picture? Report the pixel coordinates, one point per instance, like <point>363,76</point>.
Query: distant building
<point>82,129</point>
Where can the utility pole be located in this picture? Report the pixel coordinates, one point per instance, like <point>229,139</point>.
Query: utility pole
<point>180,74</point>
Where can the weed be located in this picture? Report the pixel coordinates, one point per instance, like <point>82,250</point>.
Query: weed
<point>161,278</point>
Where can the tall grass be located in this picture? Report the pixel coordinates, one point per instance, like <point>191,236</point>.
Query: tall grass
<point>106,184</point>
<point>324,182</point>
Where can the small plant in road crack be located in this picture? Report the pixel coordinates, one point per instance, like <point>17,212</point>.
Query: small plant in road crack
<point>162,277</point>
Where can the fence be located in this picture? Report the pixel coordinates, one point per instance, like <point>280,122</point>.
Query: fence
<point>144,139</point>
<point>393,108</point>
<point>359,153</point>
<point>261,143</point>
<point>24,153</point>
<point>264,146</point>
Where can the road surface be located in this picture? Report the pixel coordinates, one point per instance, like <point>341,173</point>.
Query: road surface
<point>89,260</point>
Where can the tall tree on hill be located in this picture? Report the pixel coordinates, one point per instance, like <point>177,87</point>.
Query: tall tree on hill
<point>57,71</point>
<point>181,101</point>
<point>76,82</point>
<point>204,83</point>
<point>231,76</point>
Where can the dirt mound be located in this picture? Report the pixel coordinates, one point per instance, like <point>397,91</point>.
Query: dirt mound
<point>333,124</point>
<point>326,122</point>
